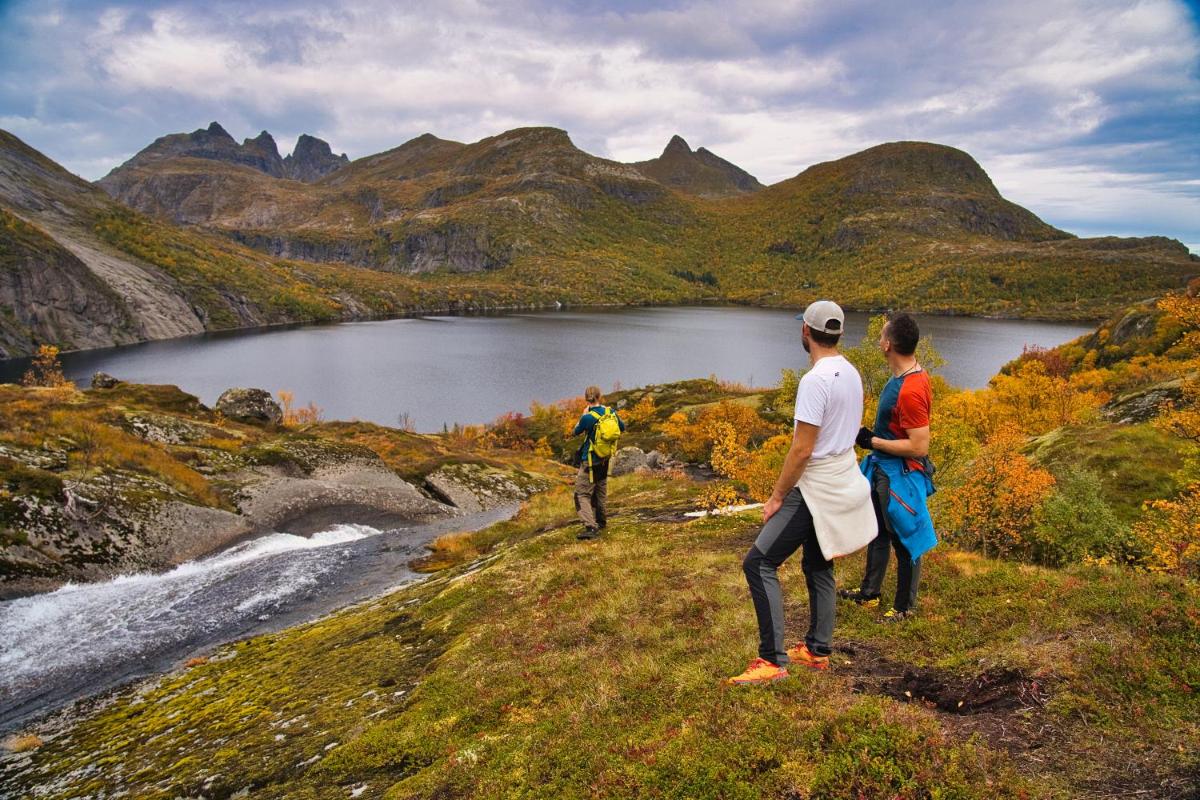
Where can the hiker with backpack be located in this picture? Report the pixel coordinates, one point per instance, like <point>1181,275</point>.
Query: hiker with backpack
<point>603,428</point>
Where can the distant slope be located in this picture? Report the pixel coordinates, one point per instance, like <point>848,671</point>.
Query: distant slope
<point>82,270</point>
<point>698,172</point>
<point>921,225</point>
<point>526,219</point>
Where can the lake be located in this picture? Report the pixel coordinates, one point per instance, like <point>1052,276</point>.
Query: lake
<point>435,371</point>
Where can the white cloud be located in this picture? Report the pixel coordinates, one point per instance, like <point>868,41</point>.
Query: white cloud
<point>1034,90</point>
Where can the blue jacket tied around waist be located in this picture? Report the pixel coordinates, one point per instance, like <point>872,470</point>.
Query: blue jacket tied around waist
<point>906,510</point>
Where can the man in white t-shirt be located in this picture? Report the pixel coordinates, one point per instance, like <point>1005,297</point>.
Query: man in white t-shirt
<point>819,479</point>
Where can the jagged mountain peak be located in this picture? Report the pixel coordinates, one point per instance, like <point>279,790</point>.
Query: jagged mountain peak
<point>214,129</point>
<point>699,172</point>
<point>677,145</point>
<point>311,160</point>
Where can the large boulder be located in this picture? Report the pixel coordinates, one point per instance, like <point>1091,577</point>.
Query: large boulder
<point>249,405</point>
<point>627,460</point>
<point>102,380</point>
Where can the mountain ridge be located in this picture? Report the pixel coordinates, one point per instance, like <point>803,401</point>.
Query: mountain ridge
<point>525,219</point>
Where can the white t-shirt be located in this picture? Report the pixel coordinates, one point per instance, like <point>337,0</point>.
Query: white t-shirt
<point>830,396</point>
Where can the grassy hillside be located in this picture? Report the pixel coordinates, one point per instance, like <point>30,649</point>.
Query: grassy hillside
<point>554,667</point>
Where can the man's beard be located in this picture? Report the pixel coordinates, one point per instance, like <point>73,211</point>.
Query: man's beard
<point>804,342</point>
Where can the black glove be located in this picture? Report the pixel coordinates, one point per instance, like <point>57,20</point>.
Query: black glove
<point>864,437</point>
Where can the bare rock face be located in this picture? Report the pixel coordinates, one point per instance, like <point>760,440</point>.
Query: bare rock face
<point>102,380</point>
<point>312,160</point>
<point>475,487</point>
<point>250,405</point>
<point>51,295</point>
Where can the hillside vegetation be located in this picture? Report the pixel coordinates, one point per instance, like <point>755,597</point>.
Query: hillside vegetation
<point>1059,619</point>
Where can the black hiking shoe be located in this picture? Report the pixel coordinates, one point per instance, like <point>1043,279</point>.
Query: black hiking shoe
<point>588,533</point>
<point>864,600</point>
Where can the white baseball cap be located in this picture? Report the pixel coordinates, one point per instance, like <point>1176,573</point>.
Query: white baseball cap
<point>825,316</point>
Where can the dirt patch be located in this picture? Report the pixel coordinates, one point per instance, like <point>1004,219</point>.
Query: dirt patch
<point>998,690</point>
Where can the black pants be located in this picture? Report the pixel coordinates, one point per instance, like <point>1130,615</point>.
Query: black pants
<point>788,530</point>
<point>908,573</point>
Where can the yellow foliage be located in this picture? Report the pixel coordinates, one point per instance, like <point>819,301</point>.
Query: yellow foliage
<point>46,370</point>
<point>718,495</point>
<point>293,416</point>
<point>1039,401</point>
<point>642,412</point>
<point>994,509</point>
<point>1171,532</point>
<point>695,436</point>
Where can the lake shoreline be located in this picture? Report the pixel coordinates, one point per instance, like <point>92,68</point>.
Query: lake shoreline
<point>7,364</point>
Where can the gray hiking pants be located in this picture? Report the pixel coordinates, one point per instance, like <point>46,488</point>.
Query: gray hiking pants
<point>591,493</point>
<point>789,529</point>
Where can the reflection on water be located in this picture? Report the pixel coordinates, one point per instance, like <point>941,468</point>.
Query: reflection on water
<point>442,370</point>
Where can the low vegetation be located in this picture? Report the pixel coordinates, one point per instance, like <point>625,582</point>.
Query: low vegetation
<point>1059,618</point>
<point>550,666</point>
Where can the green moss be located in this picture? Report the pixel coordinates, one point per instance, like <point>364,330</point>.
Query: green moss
<point>1134,463</point>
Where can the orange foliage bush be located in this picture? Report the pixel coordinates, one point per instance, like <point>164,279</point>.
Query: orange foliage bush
<point>994,509</point>
<point>1171,533</point>
<point>46,370</point>
<point>293,416</point>
<point>694,436</point>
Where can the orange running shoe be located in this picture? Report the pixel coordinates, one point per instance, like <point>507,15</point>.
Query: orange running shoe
<point>759,671</point>
<point>800,654</point>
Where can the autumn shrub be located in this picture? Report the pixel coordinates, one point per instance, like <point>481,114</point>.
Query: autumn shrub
<point>510,431</point>
<point>1170,531</point>
<point>46,371</point>
<point>642,412</point>
<point>694,435</point>
<point>1040,401</point>
<point>295,416</point>
<point>995,507</point>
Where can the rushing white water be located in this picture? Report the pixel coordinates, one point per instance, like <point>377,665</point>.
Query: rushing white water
<point>123,623</point>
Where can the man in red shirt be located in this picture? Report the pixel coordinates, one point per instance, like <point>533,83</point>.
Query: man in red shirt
<point>901,432</point>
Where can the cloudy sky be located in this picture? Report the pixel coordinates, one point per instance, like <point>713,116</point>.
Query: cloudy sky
<point>1085,111</point>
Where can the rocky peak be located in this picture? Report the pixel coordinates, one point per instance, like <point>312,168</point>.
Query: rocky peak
<point>312,159</point>
<point>215,131</point>
<point>677,146</point>
<point>699,172</point>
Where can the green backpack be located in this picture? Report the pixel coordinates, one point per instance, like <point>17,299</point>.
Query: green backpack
<point>607,433</point>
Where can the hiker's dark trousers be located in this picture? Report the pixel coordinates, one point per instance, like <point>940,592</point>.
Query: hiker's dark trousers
<point>789,529</point>
<point>591,493</point>
<point>908,574</point>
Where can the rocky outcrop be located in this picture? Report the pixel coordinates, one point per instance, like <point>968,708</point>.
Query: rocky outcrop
<point>250,405</point>
<point>363,492</point>
<point>1145,404</point>
<point>102,380</point>
<point>633,459</point>
<point>476,487</point>
<point>311,160</point>
<point>700,172</point>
